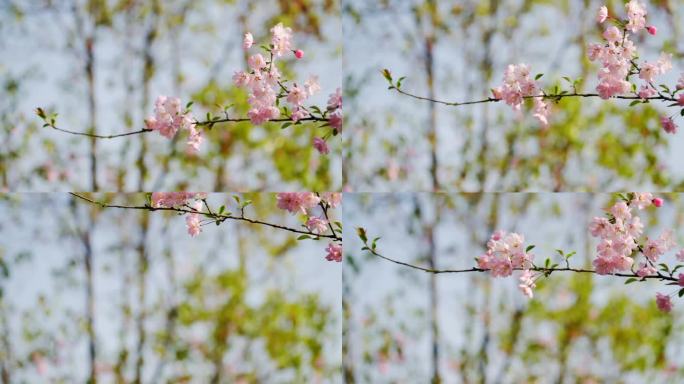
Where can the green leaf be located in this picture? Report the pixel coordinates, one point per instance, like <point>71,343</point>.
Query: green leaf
<point>529,248</point>
<point>362,234</point>
<point>630,280</point>
<point>538,76</point>
<point>387,75</point>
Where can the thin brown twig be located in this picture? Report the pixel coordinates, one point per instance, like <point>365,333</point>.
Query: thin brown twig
<point>557,97</point>
<point>200,123</point>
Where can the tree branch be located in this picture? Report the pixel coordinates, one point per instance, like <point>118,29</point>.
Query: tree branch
<point>217,218</point>
<point>544,270</point>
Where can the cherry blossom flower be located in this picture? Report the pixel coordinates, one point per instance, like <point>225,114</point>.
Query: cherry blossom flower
<point>281,39</point>
<point>334,252</point>
<point>334,199</point>
<point>174,199</point>
<point>505,252</point>
<point>527,283</point>
<point>317,225</point>
<point>664,302</point>
<point>192,220</point>
<point>668,124</point>
<point>602,14</point>
<point>636,15</point>
<point>169,118</point>
<point>652,30</point>
<point>320,145</point>
<point>297,202</point>
<point>645,270</point>
<point>247,41</point>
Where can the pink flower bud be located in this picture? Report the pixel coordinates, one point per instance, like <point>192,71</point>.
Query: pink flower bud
<point>299,53</point>
<point>658,202</point>
<point>652,29</point>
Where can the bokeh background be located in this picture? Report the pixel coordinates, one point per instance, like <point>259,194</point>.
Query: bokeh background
<point>407,326</point>
<point>457,51</point>
<point>137,50</point>
<point>105,295</point>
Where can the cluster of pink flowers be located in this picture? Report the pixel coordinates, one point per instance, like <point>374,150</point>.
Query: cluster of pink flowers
<point>617,55</point>
<point>505,253</point>
<point>180,199</point>
<point>175,199</point>
<point>518,85</point>
<point>265,85</point>
<point>169,118</point>
<point>334,252</point>
<point>334,111</point>
<point>304,203</point>
<point>264,81</point>
<point>620,232</point>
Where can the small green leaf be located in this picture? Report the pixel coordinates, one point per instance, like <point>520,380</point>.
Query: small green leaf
<point>362,234</point>
<point>630,280</point>
<point>538,76</point>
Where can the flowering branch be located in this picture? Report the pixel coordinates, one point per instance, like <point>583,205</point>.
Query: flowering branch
<point>547,271</point>
<point>266,88</point>
<point>622,244</point>
<point>198,213</point>
<point>213,217</point>
<point>618,58</point>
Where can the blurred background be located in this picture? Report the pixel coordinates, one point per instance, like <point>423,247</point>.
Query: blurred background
<point>407,326</point>
<point>102,63</point>
<point>125,296</point>
<point>458,51</point>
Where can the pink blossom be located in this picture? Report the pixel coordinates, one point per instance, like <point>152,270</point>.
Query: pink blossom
<point>256,62</point>
<point>636,15</point>
<point>680,100</point>
<point>192,220</point>
<point>645,270</point>
<point>658,202</point>
<point>296,95</point>
<point>281,39</point>
<point>680,280</point>
<point>317,225</point>
<point>336,120</point>
<point>334,252</point>
<point>241,79</point>
<point>321,146</point>
<point>298,114</point>
<point>646,91</point>
<point>169,118</point>
<point>642,200</point>
<point>652,29</point>
<point>505,252</point>
<point>680,81</point>
<point>312,86</point>
<point>335,100</point>
<point>668,125</point>
<point>602,14</point>
<point>541,111</point>
<point>612,34</point>
<point>680,255</point>
<point>299,53</point>
<point>334,199</point>
<point>527,283</point>
<point>297,202</point>
<point>247,41</point>
<point>173,199</point>
<point>664,302</point>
